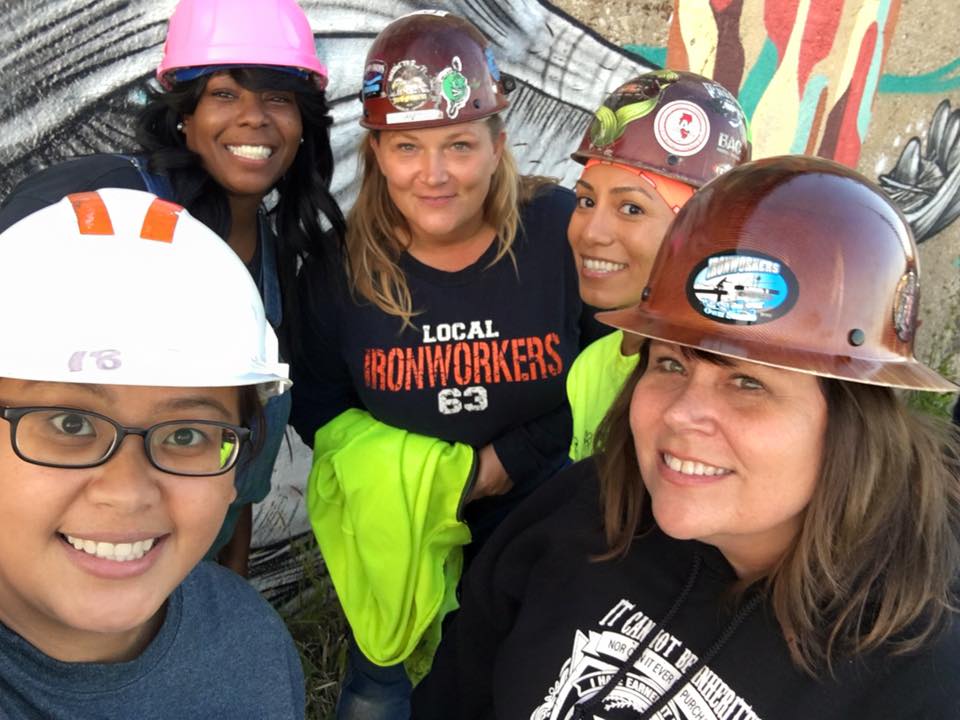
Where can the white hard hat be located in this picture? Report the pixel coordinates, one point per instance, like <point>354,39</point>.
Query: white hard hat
<point>120,287</point>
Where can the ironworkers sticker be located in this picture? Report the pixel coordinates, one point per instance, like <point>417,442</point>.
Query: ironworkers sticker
<point>682,128</point>
<point>409,86</point>
<point>373,79</point>
<point>742,288</point>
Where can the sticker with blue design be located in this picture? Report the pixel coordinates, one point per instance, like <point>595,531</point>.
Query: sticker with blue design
<point>742,288</point>
<point>373,79</point>
<point>492,65</point>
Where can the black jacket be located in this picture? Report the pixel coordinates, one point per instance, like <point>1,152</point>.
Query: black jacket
<point>543,626</point>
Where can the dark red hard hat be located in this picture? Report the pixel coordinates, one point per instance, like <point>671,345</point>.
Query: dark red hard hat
<point>428,69</point>
<point>795,262</point>
<point>677,124</point>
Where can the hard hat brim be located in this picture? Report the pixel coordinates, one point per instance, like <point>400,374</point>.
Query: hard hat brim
<point>895,372</point>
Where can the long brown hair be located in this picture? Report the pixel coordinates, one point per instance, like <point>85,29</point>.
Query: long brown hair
<point>373,222</point>
<point>878,549</point>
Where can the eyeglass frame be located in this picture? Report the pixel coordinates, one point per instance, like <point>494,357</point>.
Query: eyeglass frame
<point>14,415</point>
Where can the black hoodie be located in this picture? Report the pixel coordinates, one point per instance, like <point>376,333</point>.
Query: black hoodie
<point>543,628</point>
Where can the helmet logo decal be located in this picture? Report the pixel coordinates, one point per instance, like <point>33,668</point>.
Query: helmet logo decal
<point>373,79</point>
<point>682,128</point>
<point>453,87</point>
<point>492,64</point>
<point>725,103</point>
<point>408,86</point>
<point>905,306</point>
<point>608,125</point>
<point>742,288</point>
<point>730,145</point>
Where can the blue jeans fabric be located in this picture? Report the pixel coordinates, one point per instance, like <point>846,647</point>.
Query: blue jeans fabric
<point>371,692</point>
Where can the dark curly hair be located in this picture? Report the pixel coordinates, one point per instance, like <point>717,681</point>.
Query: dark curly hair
<point>308,221</point>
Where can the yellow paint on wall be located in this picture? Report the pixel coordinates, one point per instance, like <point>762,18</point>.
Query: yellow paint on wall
<point>699,31</point>
<point>753,33</point>
<point>866,12</point>
<point>840,62</point>
<point>775,119</point>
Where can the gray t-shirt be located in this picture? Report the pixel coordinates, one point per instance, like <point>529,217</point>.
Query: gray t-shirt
<point>222,652</point>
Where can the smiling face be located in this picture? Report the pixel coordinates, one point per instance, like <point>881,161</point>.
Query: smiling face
<point>439,178</point>
<point>247,139</point>
<point>729,453</point>
<point>88,604</point>
<point>615,233</point>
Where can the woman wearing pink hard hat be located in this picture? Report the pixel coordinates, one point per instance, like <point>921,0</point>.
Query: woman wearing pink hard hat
<point>242,114</point>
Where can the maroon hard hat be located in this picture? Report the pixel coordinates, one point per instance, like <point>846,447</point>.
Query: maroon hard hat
<point>428,69</point>
<point>795,262</point>
<point>677,124</point>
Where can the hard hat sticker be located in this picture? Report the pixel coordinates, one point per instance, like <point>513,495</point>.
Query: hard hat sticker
<point>725,103</point>
<point>453,87</point>
<point>408,86</point>
<point>742,289</point>
<point>682,128</point>
<point>905,306</point>
<point>426,115</point>
<point>492,64</point>
<point>373,79</point>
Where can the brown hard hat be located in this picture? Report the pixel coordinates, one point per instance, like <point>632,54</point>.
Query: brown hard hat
<point>795,262</point>
<point>428,69</point>
<point>677,124</point>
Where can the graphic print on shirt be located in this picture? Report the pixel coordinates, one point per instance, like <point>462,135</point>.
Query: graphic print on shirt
<point>459,360</point>
<point>597,656</point>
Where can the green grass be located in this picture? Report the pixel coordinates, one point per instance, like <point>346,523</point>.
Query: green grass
<point>941,356</point>
<point>319,630</point>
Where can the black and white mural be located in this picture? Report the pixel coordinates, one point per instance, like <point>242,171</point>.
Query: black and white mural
<point>73,74</point>
<point>925,182</point>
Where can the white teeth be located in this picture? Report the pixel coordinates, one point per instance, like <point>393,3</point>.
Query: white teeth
<point>605,266</point>
<point>251,152</point>
<point>689,467</point>
<point>119,552</point>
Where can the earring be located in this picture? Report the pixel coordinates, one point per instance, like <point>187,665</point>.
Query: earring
<point>301,141</point>
<point>180,126</point>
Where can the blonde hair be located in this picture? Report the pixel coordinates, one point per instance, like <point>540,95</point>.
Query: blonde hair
<point>878,551</point>
<point>373,248</point>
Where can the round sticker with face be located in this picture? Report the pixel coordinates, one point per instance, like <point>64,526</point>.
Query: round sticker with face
<point>682,128</point>
<point>742,289</point>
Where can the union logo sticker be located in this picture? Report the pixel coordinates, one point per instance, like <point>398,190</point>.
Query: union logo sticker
<point>409,86</point>
<point>746,289</point>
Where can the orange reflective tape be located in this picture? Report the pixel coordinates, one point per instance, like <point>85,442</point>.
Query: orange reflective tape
<point>93,218</point>
<point>161,221</point>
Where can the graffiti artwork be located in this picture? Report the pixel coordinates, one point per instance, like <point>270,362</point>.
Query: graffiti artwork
<point>805,72</point>
<point>925,182</point>
<point>74,76</point>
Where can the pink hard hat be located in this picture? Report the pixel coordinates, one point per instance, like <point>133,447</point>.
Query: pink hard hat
<point>226,33</point>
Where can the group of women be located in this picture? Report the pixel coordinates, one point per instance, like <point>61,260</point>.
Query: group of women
<point>753,525</point>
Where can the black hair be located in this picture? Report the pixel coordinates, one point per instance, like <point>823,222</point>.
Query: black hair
<point>309,223</point>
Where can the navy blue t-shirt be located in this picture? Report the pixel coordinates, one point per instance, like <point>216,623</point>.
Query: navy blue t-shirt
<point>222,652</point>
<point>486,358</point>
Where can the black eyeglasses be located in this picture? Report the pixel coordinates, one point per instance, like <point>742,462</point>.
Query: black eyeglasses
<point>64,437</point>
